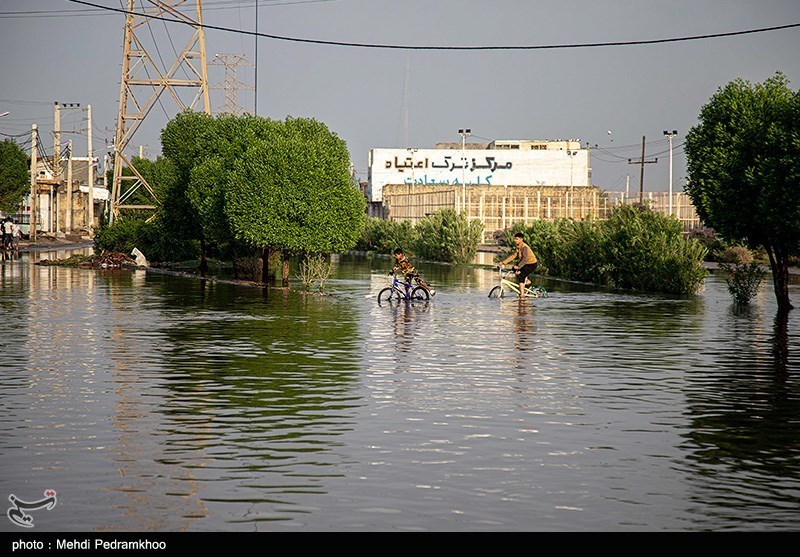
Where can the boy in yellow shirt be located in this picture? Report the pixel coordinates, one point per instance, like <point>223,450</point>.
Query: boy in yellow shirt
<point>526,261</point>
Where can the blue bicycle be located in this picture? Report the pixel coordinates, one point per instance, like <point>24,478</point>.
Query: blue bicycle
<point>403,291</point>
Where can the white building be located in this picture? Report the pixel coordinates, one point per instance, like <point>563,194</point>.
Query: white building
<point>499,163</point>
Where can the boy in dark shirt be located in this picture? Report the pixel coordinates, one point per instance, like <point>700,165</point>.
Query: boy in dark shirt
<point>403,263</point>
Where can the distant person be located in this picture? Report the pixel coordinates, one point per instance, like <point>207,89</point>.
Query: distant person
<point>403,264</point>
<point>7,233</point>
<point>16,235</point>
<point>526,261</point>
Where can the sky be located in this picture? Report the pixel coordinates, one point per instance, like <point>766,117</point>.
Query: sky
<point>605,96</point>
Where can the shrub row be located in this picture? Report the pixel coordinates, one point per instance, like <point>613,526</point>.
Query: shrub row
<point>443,236</point>
<point>634,249</point>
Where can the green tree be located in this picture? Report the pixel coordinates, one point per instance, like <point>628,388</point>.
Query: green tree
<point>182,143</point>
<point>14,175</point>
<point>743,161</point>
<point>222,143</point>
<point>291,191</point>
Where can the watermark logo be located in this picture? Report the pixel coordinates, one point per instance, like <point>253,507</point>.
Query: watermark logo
<point>17,514</point>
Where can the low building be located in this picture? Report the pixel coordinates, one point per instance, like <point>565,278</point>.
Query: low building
<point>64,208</point>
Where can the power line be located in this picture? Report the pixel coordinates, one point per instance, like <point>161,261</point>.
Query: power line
<point>422,47</point>
<point>208,6</point>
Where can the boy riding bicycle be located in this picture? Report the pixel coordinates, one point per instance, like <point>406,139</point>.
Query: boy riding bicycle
<point>403,263</point>
<point>526,261</point>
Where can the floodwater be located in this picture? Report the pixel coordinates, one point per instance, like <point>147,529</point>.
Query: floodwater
<point>156,402</point>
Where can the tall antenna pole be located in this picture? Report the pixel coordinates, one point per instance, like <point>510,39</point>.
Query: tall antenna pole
<point>142,85</point>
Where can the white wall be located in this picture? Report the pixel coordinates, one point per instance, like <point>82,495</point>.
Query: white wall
<point>480,167</point>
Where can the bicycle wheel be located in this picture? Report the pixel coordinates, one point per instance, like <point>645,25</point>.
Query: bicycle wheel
<point>419,294</point>
<point>497,292</point>
<point>535,292</point>
<point>387,295</point>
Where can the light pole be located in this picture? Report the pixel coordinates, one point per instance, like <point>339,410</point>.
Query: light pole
<point>571,154</point>
<point>411,152</point>
<point>670,135</point>
<point>464,132</point>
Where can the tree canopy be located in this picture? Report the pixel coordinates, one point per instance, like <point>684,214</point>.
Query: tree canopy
<point>292,191</point>
<point>14,175</point>
<point>743,161</point>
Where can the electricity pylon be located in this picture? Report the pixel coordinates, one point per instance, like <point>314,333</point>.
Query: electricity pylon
<point>232,85</point>
<point>143,83</point>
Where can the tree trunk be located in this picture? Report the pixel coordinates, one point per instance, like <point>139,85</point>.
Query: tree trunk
<point>203,259</point>
<point>779,263</point>
<point>265,265</point>
<point>285,268</point>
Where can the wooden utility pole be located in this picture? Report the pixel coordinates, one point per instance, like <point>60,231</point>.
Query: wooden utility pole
<point>642,162</point>
<point>34,163</point>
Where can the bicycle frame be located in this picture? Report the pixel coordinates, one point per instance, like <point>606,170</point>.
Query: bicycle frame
<point>499,291</point>
<point>403,291</point>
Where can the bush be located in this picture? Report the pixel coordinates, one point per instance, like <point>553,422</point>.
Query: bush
<point>384,236</point>
<point>737,255</point>
<point>647,251</point>
<point>149,237</point>
<point>744,280</point>
<point>443,236</point>
<point>315,269</point>
<point>448,237</point>
<point>709,239</point>
<point>634,249</point>
<point>122,236</point>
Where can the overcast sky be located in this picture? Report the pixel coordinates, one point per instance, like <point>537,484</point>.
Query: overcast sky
<point>57,50</point>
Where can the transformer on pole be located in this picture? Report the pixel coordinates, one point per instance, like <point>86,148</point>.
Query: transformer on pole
<point>142,85</point>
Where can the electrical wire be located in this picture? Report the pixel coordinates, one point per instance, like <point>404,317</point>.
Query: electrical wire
<point>424,47</point>
<point>83,12</point>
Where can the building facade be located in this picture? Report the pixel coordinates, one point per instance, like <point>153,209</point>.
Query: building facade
<point>561,163</point>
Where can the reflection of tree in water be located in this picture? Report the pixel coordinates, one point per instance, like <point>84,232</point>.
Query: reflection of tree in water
<point>256,392</point>
<point>648,317</point>
<point>744,427</point>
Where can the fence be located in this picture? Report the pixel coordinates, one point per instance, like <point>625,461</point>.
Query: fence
<point>498,207</point>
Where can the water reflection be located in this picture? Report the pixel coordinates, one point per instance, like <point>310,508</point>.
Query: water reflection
<point>152,401</point>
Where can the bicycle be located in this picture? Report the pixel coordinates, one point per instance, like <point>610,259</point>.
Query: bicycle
<point>402,291</point>
<point>506,286</point>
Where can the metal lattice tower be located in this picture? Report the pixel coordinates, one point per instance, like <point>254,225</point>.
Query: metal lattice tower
<point>144,81</point>
<point>232,85</point>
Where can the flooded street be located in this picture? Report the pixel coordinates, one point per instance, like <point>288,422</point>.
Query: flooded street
<point>156,402</point>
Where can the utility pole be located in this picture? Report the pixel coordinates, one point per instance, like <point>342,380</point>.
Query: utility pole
<point>68,211</point>
<point>56,162</point>
<point>90,175</point>
<point>34,163</point>
<point>57,174</point>
<point>670,136</point>
<point>642,162</point>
